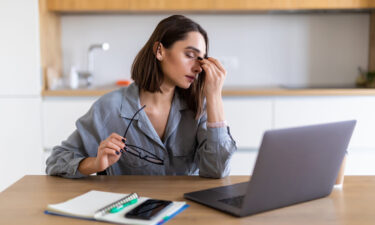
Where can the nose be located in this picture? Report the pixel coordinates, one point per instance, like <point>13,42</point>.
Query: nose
<point>197,68</point>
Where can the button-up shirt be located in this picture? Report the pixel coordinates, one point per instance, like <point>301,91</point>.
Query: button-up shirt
<point>188,146</point>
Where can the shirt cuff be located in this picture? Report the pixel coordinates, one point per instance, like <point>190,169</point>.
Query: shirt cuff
<point>217,133</point>
<point>217,124</point>
<point>73,170</point>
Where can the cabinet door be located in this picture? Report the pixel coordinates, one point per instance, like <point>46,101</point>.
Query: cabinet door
<point>243,162</point>
<point>59,117</point>
<point>295,111</point>
<point>248,118</point>
<point>20,139</point>
<point>19,54</point>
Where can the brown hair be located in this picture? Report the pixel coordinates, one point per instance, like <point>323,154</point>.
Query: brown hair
<point>146,71</point>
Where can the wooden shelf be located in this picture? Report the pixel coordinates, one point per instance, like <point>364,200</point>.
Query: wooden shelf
<point>203,5</point>
<point>230,92</point>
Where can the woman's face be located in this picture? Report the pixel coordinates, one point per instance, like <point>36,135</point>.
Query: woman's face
<point>179,63</point>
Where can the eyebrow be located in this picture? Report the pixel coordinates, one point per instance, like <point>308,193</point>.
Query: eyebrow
<point>193,48</point>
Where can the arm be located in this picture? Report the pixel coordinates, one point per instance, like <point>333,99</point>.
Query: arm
<point>215,148</point>
<point>81,154</point>
<point>81,144</point>
<point>216,144</point>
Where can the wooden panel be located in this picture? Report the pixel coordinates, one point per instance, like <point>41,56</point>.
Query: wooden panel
<point>50,41</point>
<point>203,5</point>
<point>371,59</point>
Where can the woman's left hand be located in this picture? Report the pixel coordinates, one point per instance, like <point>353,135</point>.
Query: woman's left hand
<point>215,75</point>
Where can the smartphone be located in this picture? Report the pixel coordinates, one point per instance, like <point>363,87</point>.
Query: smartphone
<point>148,209</point>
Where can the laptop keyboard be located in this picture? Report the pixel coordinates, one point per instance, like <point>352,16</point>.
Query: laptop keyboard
<point>235,201</point>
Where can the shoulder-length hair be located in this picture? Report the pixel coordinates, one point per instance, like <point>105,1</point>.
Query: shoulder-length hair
<point>146,70</point>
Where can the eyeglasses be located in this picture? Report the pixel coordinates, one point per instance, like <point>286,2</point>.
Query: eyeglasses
<point>138,151</point>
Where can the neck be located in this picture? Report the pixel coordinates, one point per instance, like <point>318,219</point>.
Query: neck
<point>157,99</point>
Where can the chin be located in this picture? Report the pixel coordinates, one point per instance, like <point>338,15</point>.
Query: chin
<point>184,86</point>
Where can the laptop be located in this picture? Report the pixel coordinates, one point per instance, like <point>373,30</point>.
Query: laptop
<point>294,165</point>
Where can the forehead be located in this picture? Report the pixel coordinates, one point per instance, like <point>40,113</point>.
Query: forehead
<point>193,39</point>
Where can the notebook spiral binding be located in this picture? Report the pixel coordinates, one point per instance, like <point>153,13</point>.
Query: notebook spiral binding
<point>117,203</point>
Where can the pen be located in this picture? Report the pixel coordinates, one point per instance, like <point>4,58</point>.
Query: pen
<point>120,207</point>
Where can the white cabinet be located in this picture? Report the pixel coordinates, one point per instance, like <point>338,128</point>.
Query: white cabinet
<point>19,54</point>
<point>20,139</point>
<point>59,117</point>
<point>295,111</point>
<point>243,162</point>
<point>248,118</point>
<point>20,86</point>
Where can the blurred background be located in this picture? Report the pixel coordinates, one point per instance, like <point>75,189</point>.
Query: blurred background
<point>289,63</point>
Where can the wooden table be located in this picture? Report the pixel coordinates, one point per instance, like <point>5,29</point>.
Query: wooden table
<point>25,201</point>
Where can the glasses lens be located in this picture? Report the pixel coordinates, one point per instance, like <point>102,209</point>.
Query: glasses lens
<point>132,151</point>
<point>143,154</point>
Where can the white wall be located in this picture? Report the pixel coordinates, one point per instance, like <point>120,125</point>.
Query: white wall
<point>258,49</point>
<point>20,101</point>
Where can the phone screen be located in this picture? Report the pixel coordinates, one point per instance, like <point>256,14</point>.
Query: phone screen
<point>148,209</point>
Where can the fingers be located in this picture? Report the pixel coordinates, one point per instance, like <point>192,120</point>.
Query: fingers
<point>114,143</point>
<point>217,64</point>
<point>112,152</point>
<point>118,137</point>
<point>214,63</point>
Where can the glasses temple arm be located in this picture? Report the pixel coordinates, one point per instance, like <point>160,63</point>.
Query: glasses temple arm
<point>126,131</point>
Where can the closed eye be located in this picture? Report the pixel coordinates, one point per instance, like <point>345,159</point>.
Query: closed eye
<point>190,55</point>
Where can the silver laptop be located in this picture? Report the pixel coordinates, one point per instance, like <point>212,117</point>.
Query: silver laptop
<point>293,165</point>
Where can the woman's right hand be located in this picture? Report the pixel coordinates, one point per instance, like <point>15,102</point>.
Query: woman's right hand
<point>109,151</point>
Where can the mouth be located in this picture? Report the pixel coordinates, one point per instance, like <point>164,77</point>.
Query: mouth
<point>190,78</point>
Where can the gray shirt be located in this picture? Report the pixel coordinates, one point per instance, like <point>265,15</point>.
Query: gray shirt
<point>188,145</point>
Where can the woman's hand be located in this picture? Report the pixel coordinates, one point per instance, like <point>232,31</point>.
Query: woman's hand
<point>215,75</point>
<point>213,85</point>
<point>109,151</point>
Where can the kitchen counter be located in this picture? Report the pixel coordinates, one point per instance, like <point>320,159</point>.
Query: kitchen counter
<point>230,91</point>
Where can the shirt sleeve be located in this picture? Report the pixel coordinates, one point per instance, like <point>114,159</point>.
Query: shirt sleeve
<point>82,143</point>
<point>215,148</point>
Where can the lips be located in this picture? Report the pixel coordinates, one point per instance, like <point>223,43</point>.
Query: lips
<point>191,78</point>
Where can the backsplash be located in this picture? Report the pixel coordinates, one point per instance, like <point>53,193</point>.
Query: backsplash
<point>257,49</point>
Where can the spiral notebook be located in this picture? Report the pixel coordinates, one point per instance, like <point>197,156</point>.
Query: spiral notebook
<point>96,205</point>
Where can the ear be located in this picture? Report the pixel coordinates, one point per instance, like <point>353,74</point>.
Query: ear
<point>158,50</point>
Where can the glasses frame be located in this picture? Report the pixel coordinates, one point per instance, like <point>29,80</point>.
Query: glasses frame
<point>135,150</point>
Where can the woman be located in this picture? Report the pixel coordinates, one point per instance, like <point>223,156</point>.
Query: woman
<point>170,121</point>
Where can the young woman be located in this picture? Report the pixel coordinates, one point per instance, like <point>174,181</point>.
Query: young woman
<point>170,121</point>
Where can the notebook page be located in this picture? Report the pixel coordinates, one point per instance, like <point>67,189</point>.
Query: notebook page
<point>86,204</point>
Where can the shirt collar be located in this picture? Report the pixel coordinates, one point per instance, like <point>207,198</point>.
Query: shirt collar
<point>130,102</point>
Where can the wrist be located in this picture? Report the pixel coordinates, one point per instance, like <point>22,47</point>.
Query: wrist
<point>213,96</point>
<point>88,166</point>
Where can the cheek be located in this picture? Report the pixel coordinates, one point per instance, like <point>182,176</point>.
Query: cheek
<point>181,64</point>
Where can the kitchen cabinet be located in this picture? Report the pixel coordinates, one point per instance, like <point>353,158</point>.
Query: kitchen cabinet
<point>21,141</point>
<point>19,56</point>
<point>51,11</point>
<point>243,162</point>
<point>310,110</point>
<point>20,101</point>
<point>59,117</point>
<point>248,119</point>
<point>201,5</point>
